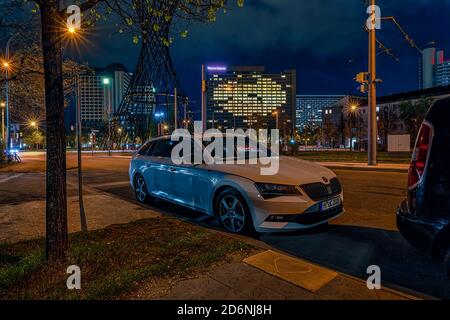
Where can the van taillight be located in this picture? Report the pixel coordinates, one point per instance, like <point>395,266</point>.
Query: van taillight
<point>420,155</point>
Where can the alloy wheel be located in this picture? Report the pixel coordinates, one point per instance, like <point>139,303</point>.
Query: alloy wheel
<point>232,214</point>
<point>141,189</point>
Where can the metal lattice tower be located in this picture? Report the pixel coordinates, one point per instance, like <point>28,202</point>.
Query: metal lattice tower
<point>153,84</point>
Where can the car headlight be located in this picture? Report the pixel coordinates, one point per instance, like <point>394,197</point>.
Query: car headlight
<point>269,190</point>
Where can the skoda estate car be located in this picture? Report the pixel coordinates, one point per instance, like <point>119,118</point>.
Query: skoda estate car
<point>301,195</point>
<point>424,217</point>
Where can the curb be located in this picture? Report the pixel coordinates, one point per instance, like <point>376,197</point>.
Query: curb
<point>396,170</point>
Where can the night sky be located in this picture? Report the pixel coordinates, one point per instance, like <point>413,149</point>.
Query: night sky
<point>323,40</point>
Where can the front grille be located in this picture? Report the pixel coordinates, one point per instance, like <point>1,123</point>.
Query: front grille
<point>319,191</point>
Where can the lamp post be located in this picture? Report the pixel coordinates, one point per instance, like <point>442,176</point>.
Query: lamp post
<point>3,106</point>
<point>72,32</point>
<point>35,125</point>
<point>106,83</point>
<point>353,111</point>
<point>276,114</point>
<point>6,66</point>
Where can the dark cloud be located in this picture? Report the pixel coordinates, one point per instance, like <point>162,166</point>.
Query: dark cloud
<point>318,38</point>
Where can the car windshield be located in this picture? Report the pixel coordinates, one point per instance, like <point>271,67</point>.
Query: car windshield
<point>240,149</point>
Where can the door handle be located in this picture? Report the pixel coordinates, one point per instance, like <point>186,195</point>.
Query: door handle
<point>172,169</point>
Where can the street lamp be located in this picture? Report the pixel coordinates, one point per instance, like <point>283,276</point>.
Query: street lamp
<point>106,82</point>
<point>276,114</point>
<point>6,66</point>
<point>2,106</point>
<point>353,111</point>
<point>73,33</point>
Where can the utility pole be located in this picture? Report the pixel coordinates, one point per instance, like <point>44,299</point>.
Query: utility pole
<point>80,172</point>
<point>372,101</point>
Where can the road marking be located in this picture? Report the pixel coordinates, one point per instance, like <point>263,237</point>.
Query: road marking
<point>11,177</point>
<point>110,184</point>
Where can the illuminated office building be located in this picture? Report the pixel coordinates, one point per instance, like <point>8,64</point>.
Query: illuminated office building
<point>434,69</point>
<point>102,90</point>
<point>309,109</point>
<point>247,97</point>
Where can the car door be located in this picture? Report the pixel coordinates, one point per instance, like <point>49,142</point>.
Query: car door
<point>146,161</point>
<point>193,184</point>
<point>162,169</point>
<point>142,159</point>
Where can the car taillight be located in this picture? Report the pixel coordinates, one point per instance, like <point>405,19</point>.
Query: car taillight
<point>420,155</point>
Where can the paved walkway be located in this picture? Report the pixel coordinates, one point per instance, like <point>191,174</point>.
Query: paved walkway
<point>239,281</point>
<point>26,220</point>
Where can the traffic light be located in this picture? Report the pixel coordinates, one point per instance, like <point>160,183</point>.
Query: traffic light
<point>362,77</point>
<point>363,88</point>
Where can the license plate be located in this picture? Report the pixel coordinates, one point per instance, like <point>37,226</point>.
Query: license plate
<point>330,204</point>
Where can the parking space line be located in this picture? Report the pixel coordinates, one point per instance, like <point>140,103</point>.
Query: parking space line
<point>11,177</point>
<point>110,184</point>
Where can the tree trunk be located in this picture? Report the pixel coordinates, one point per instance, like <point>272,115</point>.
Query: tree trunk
<point>56,209</point>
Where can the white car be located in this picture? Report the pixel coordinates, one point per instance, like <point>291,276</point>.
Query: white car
<point>302,194</point>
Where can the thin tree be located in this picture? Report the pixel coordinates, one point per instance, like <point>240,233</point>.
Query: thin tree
<point>53,17</point>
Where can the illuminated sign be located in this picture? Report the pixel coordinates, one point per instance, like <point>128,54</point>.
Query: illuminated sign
<point>216,68</point>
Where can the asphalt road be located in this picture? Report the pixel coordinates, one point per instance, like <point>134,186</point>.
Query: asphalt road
<point>365,235</point>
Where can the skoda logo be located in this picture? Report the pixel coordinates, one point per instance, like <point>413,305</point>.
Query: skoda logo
<point>325,179</point>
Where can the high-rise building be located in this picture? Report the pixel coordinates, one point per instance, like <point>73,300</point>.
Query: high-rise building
<point>443,74</point>
<point>102,91</point>
<point>247,97</point>
<point>309,109</point>
<point>434,71</point>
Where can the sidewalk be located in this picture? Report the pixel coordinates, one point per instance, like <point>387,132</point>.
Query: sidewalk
<point>236,279</point>
<point>386,167</point>
<point>240,281</point>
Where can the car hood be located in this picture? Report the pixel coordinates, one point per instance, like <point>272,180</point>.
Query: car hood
<point>292,171</point>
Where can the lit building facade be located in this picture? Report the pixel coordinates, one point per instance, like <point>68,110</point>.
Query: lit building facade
<point>247,97</point>
<point>443,74</point>
<point>309,109</point>
<point>101,92</point>
<point>434,70</point>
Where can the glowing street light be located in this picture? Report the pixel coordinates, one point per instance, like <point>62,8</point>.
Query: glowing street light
<point>33,124</point>
<point>276,114</point>
<point>3,107</point>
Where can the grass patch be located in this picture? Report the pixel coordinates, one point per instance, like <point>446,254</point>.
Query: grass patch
<point>347,156</point>
<point>113,261</point>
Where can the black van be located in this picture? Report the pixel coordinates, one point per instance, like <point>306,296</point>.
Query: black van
<point>424,217</point>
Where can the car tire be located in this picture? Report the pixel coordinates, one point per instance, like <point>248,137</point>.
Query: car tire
<point>141,190</point>
<point>233,213</point>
